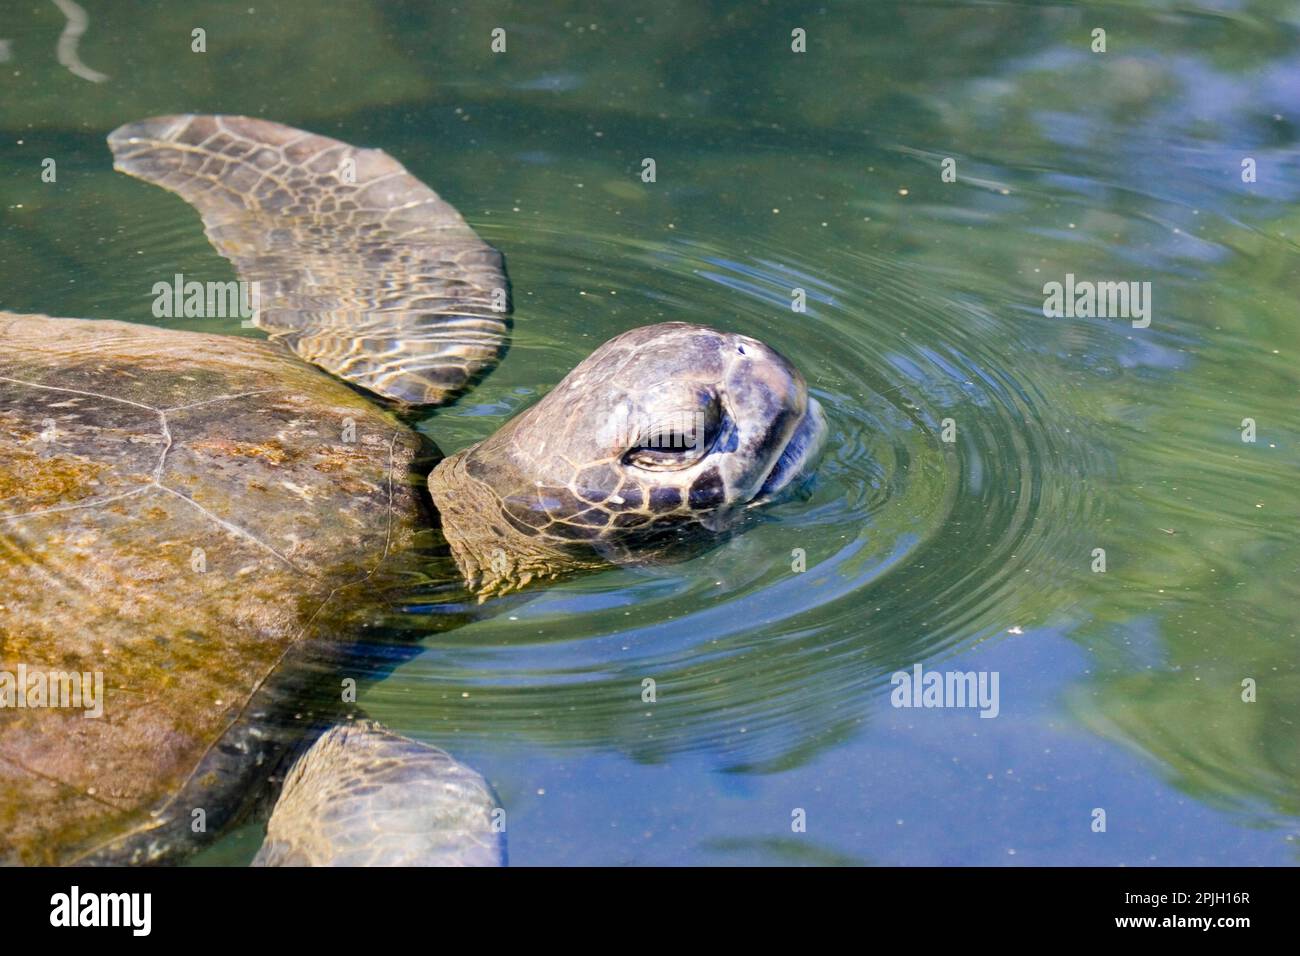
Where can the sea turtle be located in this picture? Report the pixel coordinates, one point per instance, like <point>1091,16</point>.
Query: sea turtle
<point>205,522</point>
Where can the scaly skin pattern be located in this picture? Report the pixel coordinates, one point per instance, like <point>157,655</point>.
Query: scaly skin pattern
<point>361,268</point>
<point>178,512</point>
<point>364,796</point>
<point>562,486</point>
<point>198,519</point>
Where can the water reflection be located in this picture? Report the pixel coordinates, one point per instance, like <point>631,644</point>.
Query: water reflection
<point>924,307</point>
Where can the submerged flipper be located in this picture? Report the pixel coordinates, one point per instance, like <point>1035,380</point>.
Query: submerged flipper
<point>365,796</point>
<point>360,267</point>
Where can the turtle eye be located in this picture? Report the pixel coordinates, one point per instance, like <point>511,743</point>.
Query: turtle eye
<point>674,449</point>
<point>676,441</point>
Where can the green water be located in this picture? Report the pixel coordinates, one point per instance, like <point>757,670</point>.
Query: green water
<point>1120,689</point>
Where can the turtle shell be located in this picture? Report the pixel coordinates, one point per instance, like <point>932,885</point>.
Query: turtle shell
<point>178,513</point>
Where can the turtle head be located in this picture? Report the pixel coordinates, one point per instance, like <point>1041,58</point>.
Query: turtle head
<point>662,440</point>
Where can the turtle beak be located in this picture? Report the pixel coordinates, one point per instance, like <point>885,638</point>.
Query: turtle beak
<point>797,458</point>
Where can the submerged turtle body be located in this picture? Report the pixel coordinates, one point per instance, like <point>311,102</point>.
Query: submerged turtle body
<point>201,522</point>
<point>364,796</point>
<point>359,267</point>
<point>187,515</point>
<point>177,512</point>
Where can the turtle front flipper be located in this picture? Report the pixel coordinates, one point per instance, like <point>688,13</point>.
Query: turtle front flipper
<point>365,796</point>
<point>358,266</point>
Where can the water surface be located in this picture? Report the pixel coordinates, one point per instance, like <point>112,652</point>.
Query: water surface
<point>820,171</point>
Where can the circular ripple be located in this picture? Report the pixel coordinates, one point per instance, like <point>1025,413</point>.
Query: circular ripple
<point>914,546</point>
